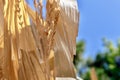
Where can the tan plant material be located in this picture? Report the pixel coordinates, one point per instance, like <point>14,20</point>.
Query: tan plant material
<point>34,48</point>
<point>93,74</point>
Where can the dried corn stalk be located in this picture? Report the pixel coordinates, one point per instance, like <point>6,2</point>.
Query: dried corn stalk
<point>33,48</point>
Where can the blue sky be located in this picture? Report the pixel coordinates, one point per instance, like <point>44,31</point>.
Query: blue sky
<point>98,19</point>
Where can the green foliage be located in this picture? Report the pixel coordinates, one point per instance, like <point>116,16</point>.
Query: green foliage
<point>80,49</point>
<point>106,63</point>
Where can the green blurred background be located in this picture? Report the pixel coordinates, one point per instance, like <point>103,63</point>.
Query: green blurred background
<point>106,64</point>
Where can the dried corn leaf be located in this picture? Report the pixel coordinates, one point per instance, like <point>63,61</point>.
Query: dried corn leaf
<point>26,41</point>
<point>19,64</point>
<point>65,38</point>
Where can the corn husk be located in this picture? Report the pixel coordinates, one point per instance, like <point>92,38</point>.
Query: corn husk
<point>34,48</point>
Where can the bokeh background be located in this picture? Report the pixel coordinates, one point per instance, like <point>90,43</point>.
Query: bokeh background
<point>98,44</point>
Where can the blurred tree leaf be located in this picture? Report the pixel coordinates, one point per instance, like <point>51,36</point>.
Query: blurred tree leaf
<point>106,63</point>
<point>79,51</point>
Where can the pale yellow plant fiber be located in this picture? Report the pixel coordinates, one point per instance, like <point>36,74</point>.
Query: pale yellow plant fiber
<point>34,48</point>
